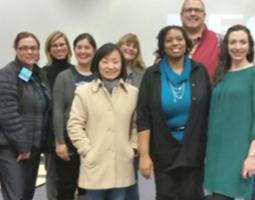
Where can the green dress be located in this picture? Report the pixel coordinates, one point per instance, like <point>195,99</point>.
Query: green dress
<point>230,132</point>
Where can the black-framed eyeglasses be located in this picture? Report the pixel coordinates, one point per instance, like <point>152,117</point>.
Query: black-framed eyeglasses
<point>27,48</point>
<point>195,10</point>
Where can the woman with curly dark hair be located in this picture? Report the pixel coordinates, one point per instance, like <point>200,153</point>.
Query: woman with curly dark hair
<point>172,109</point>
<point>230,158</point>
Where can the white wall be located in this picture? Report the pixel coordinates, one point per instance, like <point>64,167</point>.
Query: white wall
<point>108,20</point>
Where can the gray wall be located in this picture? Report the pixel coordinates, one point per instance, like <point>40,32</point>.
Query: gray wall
<point>108,20</point>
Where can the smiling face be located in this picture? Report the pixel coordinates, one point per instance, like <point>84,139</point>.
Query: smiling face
<point>110,66</point>
<point>130,51</point>
<point>27,51</point>
<point>84,52</point>
<point>174,44</point>
<point>238,46</point>
<point>193,15</point>
<point>59,49</point>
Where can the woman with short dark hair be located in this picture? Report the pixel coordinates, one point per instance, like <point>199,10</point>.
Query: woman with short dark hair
<point>102,127</point>
<point>67,160</point>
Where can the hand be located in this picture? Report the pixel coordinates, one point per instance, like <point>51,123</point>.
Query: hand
<point>146,166</point>
<point>23,156</point>
<point>62,152</point>
<point>248,167</point>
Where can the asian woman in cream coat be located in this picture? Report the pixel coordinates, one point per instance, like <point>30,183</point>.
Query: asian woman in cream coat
<point>102,128</point>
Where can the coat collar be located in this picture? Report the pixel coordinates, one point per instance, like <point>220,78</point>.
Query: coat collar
<point>97,84</point>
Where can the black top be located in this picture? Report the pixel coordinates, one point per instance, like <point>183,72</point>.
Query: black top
<point>55,68</point>
<point>52,71</point>
<point>165,151</point>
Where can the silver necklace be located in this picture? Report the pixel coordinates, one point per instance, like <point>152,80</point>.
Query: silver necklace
<point>178,92</point>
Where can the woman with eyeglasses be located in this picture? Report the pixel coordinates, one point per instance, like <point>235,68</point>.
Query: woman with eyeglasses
<point>24,110</point>
<point>58,53</point>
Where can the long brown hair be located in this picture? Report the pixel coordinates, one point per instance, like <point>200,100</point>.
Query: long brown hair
<point>224,57</point>
<point>138,62</point>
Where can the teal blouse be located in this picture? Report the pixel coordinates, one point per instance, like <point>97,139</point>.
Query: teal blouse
<point>231,130</point>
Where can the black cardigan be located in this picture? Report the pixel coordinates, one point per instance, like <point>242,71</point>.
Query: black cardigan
<point>165,151</point>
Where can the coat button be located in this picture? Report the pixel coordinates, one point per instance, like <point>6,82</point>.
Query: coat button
<point>193,84</point>
<point>194,98</point>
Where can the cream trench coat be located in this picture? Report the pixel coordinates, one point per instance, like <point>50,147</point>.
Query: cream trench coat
<point>102,128</point>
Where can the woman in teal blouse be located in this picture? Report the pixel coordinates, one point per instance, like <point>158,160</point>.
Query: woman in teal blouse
<point>230,158</point>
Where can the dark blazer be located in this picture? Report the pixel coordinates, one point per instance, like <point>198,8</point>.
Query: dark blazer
<point>22,122</point>
<point>165,151</point>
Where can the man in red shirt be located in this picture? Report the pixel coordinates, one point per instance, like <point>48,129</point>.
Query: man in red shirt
<point>206,43</point>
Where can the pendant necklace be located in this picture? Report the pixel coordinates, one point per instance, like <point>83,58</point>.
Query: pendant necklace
<point>178,91</point>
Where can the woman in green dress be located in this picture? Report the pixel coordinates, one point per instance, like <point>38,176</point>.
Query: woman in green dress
<point>230,158</point>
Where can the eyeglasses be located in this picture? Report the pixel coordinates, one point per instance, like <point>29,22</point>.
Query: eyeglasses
<point>195,10</point>
<point>27,48</point>
<point>58,45</point>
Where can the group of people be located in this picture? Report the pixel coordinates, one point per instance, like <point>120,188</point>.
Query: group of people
<point>189,118</point>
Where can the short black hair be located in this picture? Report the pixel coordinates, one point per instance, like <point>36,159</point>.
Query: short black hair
<point>162,36</point>
<point>103,51</point>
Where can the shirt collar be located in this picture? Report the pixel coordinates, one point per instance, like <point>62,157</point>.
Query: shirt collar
<point>97,84</point>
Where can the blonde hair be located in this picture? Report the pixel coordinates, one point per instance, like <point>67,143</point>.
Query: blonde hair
<point>138,62</point>
<point>52,38</point>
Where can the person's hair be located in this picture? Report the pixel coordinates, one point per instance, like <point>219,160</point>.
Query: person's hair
<point>83,36</point>
<point>22,35</point>
<point>224,57</point>
<point>138,62</point>
<point>185,1</point>
<point>103,51</point>
<point>160,52</point>
<point>52,38</point>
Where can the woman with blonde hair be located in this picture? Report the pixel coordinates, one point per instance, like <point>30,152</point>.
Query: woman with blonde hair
<point>58,53</point>
<point>130,46</point>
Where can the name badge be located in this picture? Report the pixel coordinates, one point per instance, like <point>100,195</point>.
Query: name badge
<point>25,74</point>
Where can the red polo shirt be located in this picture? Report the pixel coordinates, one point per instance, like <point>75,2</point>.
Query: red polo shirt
<point>207,50</point>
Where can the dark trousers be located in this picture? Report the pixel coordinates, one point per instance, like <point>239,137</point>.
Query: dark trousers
<point>18,178</point>
<point>220,197</point>
<point>67,181</point>
<point>51,176</point>
<point>184,183</point>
